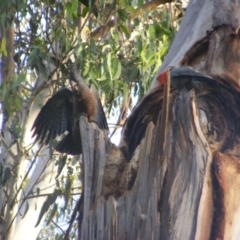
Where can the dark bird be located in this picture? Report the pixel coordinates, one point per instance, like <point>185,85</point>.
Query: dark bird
<point>147,110</point>
<point>186,77</point>
<point>62,111</point>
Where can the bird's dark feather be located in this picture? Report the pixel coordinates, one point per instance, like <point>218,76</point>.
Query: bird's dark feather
<point>100,119</point>
<point>61,113</point>
<point>54,117</point>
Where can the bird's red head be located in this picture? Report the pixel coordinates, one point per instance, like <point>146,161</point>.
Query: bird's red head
<point>162,78</point>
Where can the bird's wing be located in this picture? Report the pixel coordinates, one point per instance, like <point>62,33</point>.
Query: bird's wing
<point>100,117</point>
<point>55,117</point>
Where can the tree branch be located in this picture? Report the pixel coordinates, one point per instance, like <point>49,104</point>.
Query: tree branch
<point>97,33</point>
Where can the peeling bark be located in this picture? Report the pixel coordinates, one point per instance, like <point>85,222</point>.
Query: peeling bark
<point>226,169</point>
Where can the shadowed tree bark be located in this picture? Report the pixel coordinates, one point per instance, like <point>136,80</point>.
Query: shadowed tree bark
<point>175,174</point>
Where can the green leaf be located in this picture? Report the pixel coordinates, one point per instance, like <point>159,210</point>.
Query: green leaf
<point>6,175</point>
<point>85,11</point>
<point>125,29</point>
<point>3,48</point>
<point>52,213</point>
<point>26,209</point>
<point>61,164</point>
<point>132,10</point>
<point>74,5</point>
<point>93,46</point>
<point>67,190</point>
<point>17,57</point>
<point>122,14</point>
<point>69,10</point>
<point>109,64</point>
<point>38,191</point>
<point>151,32</point>
<point>33,54</point>
<point>140,3</point>
<point>72,8</point>
<point>125,91</point>
<point>131,73</point>
<point>139,45</point>
<point>3,91</point>
<point>18,128</point>
<point>116,68</point>
<point>18,80</point>
<point>46,205</point>
<point>114,36</point>
<point>106,47</point>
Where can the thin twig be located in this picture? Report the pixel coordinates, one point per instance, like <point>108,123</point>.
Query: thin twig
<point>73,217</point>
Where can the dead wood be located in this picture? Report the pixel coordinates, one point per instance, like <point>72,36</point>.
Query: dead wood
<point>191,189</point>
<point>156,197</point>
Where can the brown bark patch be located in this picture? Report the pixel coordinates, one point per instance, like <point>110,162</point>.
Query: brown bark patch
<point>227,172</point>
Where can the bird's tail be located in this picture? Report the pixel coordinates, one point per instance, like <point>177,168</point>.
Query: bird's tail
<point>69,145</point>
<point>100,118</point>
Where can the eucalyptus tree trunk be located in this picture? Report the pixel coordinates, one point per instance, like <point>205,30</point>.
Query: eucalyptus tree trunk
<point>14,160</point>
<point>181,180</point>
<point>6,160</point>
